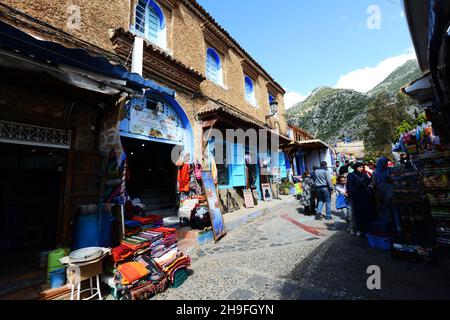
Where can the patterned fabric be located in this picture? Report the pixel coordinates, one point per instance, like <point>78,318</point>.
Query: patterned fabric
<point>308,189</point>
<point>146,291</point>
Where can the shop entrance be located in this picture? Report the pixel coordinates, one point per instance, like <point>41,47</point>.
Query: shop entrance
<point>31,186</point>
<point>152,175</point>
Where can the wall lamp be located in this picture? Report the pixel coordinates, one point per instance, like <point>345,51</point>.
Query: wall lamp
<point>273,109</point>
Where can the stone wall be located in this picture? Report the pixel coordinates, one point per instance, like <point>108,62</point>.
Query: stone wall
<point>185,42</point>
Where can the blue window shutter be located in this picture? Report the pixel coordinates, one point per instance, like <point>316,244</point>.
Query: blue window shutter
<point>248,91</point>
<point>153,23</point>
<point>238,167</point>
<point>211,68</point>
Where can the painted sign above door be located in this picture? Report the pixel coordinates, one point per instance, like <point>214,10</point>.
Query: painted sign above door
<point>152,117</point>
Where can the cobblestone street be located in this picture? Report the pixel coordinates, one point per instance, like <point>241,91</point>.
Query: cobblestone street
<point>286,255</point>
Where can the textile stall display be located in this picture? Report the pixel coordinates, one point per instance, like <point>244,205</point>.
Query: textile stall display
<point>421,194</point>
<point>436,178</point>
<point>144,265</point>
<point>416,239</point>
<point>193,206</point>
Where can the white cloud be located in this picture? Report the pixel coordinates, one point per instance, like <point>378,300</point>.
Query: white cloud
<point>367,78</point>
<point>292,97</point>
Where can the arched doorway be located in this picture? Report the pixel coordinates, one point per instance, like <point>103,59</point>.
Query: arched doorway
<point>153,127</point>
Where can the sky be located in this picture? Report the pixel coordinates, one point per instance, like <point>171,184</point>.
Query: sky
<point>304,44</point>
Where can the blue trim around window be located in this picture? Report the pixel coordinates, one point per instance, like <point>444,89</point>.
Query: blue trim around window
<point>213,66</point>
<point>215,55</point>
<point>159,12</point>
<point>249,90</point>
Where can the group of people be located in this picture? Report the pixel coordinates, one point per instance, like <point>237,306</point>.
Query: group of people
<point>363,195</point>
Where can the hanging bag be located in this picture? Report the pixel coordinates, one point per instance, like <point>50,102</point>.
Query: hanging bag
<point>340,202</point>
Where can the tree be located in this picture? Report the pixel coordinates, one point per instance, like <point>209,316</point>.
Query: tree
<point>384,115</point>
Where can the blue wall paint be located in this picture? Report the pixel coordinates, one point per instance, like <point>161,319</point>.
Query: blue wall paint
<point>189,136</point>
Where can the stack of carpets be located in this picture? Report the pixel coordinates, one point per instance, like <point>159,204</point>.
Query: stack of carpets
<point>156,242</point>
<point>137,244</point>
<point>121,253</point>
<point>150,222</point>
<point>171,262</point>
<point>132,227</point>
<point>138,280</point>
<point>169,239</point>
<point>180,276</point>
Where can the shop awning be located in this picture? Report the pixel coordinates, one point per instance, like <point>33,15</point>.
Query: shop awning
<point>417,16</point>
<point>213,108</point>
<point>420,89</point>
<point>73,65</point>
<point>308,145</point>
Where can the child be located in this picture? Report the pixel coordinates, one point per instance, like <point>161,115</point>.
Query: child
<point>343,203</point>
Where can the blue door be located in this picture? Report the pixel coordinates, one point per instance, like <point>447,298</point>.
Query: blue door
<point>237,167</point>
<point>282,164</point>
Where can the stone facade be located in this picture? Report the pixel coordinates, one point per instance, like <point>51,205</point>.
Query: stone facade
<point>189,32</point>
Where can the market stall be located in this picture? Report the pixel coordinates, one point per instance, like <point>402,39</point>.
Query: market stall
<point>421,194</point>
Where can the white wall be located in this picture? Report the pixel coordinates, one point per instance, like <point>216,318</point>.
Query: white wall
<point>316,157</point>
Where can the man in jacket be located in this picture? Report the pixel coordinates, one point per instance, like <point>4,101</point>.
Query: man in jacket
<point>324,187</point>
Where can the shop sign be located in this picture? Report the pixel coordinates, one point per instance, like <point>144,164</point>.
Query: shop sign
<point>159,121</point>
<point>214,206</point>
<point>248,197</point>
<point>276,173</point>
<point>267,191</point>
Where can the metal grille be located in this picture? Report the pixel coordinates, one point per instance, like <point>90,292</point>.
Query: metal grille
<point>140,16</point>
<point>18,133</point>
<point>147,21</point>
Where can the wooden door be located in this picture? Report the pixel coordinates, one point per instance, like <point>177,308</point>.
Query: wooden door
<point>83,186</point>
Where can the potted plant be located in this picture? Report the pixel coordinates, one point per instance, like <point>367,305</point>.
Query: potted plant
<point>285,187</point>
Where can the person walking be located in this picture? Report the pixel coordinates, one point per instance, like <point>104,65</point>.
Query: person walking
<point>324,187</point>
<point>361,196</point>
<point>384,192</point>
<point>344,169</point>
<point>337,167</point>
<point>307,198</point>
<point>343,204</point>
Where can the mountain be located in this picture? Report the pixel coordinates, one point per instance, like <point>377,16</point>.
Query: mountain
<point>329,113</point>
<point>332,114</point>
<point>397,79</point>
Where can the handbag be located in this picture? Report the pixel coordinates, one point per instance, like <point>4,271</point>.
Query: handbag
<point>340,202</point>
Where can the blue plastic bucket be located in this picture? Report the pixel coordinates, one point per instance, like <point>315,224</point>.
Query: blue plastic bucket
<point>57,278</point>
<point>86,232</point>
<point>92,231</point>
<point>105,231</point>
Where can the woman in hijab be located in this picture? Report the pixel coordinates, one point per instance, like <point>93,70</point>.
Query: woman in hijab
<point>307,198</point>
<point>384,191</point>
<point>363,207</point>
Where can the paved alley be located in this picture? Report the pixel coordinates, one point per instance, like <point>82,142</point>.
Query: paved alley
<point>286,255</point>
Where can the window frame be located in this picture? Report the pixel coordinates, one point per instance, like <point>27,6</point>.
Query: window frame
<point>210,51</point>
<point>252,99</point>
<point>161,38</point>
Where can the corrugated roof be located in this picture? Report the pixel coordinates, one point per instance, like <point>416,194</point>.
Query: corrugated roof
<point>212,107</point>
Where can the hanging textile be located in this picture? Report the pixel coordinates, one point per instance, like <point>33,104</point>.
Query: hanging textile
<point>214,170</point>
<point>184,178</point>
